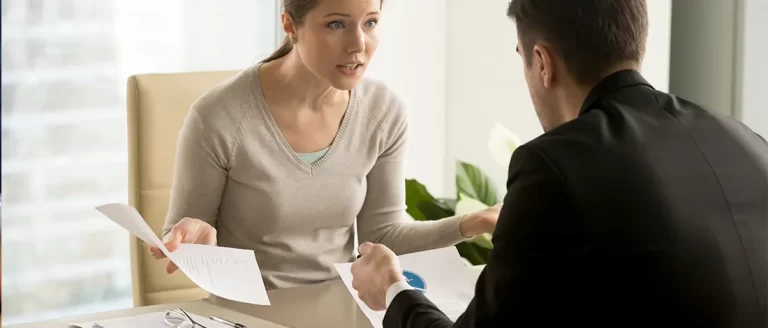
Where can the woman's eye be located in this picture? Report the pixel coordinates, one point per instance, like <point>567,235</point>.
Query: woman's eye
<point>371,23</point>
<point>335,25</point>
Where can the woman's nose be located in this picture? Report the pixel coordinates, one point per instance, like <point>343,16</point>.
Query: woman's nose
<point>356,42</point>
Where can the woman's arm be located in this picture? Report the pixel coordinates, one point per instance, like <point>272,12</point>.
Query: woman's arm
<point>202,159</point>
<point>383,218</point>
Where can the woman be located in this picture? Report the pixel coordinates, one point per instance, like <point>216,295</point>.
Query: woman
<point>285,156</point>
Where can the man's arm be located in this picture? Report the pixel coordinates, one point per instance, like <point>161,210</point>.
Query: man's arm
<point>537,245</point>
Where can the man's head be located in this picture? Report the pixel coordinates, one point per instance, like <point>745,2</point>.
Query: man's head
<point>568,46</point>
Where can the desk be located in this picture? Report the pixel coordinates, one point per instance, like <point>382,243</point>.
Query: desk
<point>323,305</point>
<point>201,307</point>
<point>316,306</point>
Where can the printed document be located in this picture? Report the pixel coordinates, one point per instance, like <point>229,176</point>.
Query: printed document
<point>440,274</point>
<point>226,272</point>
<point>148,320</point>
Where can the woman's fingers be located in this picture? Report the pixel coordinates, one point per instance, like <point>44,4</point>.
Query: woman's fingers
<point>170,267</point>
<point>156,252</point>
<point>187,230</point>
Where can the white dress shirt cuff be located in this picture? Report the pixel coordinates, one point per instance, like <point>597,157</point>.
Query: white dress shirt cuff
<point>395,289</point>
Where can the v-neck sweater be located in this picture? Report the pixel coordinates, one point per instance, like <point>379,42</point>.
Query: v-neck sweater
<point>236,171</point>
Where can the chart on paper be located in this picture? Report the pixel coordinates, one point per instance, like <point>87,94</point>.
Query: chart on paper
<point>440,274</point>
<point>229,273</point>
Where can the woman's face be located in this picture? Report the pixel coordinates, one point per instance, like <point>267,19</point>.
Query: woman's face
<point>338,39</point>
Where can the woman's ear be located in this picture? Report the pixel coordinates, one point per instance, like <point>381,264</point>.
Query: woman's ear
<point>288,27</point>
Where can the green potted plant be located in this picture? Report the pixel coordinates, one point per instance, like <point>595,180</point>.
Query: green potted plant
<point>474,191</point>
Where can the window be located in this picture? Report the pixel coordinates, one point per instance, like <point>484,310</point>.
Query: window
<point>64,66</point>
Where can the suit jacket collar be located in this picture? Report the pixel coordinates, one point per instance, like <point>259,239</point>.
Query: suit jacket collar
<point>610,84</point>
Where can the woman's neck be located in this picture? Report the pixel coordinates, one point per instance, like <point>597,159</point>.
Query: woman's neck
<point>297,87</point>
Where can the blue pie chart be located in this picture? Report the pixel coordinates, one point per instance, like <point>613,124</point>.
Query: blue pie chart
<point>415,280</point>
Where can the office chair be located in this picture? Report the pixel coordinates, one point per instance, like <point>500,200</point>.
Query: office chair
<point>157,105</point>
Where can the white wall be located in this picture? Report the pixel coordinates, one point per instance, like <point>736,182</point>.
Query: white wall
<point>703,57</point>
<point>753,111</point>
<point>208,22</point>
<point>718,52</point>
<point>485,80</point>
<point>656,63</point>
<point>485,84</point>
<point>411,58</point>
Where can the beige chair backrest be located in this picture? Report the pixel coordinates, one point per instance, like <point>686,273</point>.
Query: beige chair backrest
<point>157,106</point>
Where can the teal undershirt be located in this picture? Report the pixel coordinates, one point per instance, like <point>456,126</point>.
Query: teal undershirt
<point>313,156</point>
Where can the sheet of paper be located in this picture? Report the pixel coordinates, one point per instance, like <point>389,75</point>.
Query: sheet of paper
<point>440,273</point>
<point>149,320</point>
<point>226,272</point>
<point>130,219</point>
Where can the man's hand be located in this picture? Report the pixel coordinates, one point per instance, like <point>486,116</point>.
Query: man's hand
<point>373,273</point>
<point>480,222</point>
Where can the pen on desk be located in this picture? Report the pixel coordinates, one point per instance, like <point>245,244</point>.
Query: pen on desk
<point>227,322</point>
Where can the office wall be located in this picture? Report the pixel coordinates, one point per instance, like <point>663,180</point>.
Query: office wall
<point>485,80</point>
<point>752,110</point>
<point>718,57</point>
<point>704,53</point>
<point>412,59</point>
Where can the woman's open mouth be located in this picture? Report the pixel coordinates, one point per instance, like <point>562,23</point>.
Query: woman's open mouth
<point>349,69</point>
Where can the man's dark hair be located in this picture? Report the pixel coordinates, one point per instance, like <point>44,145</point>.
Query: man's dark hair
<point>591,36</point>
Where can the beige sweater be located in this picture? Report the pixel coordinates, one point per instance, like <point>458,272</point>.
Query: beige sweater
<point>235,171</point>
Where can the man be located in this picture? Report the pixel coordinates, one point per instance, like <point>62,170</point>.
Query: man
<point>635,208</point>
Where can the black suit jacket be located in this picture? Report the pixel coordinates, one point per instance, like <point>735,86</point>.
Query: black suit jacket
<point>645,211</point>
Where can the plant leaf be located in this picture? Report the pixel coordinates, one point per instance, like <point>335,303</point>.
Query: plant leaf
<point>467,205</point>
<point>432,211</point>
<point>445,204</point>
<point>415,194</point>
<point>473,253</point>
<point>468,252</point>
<point>502,143</point>
<point>475,184</point>
<point>484,240</point>
<point>449,203</point>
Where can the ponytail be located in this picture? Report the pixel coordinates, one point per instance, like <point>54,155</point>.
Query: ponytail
<point>284,49</point>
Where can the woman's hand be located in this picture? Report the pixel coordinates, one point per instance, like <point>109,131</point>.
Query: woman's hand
<point>187,231</point>
<point>480,222</point>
